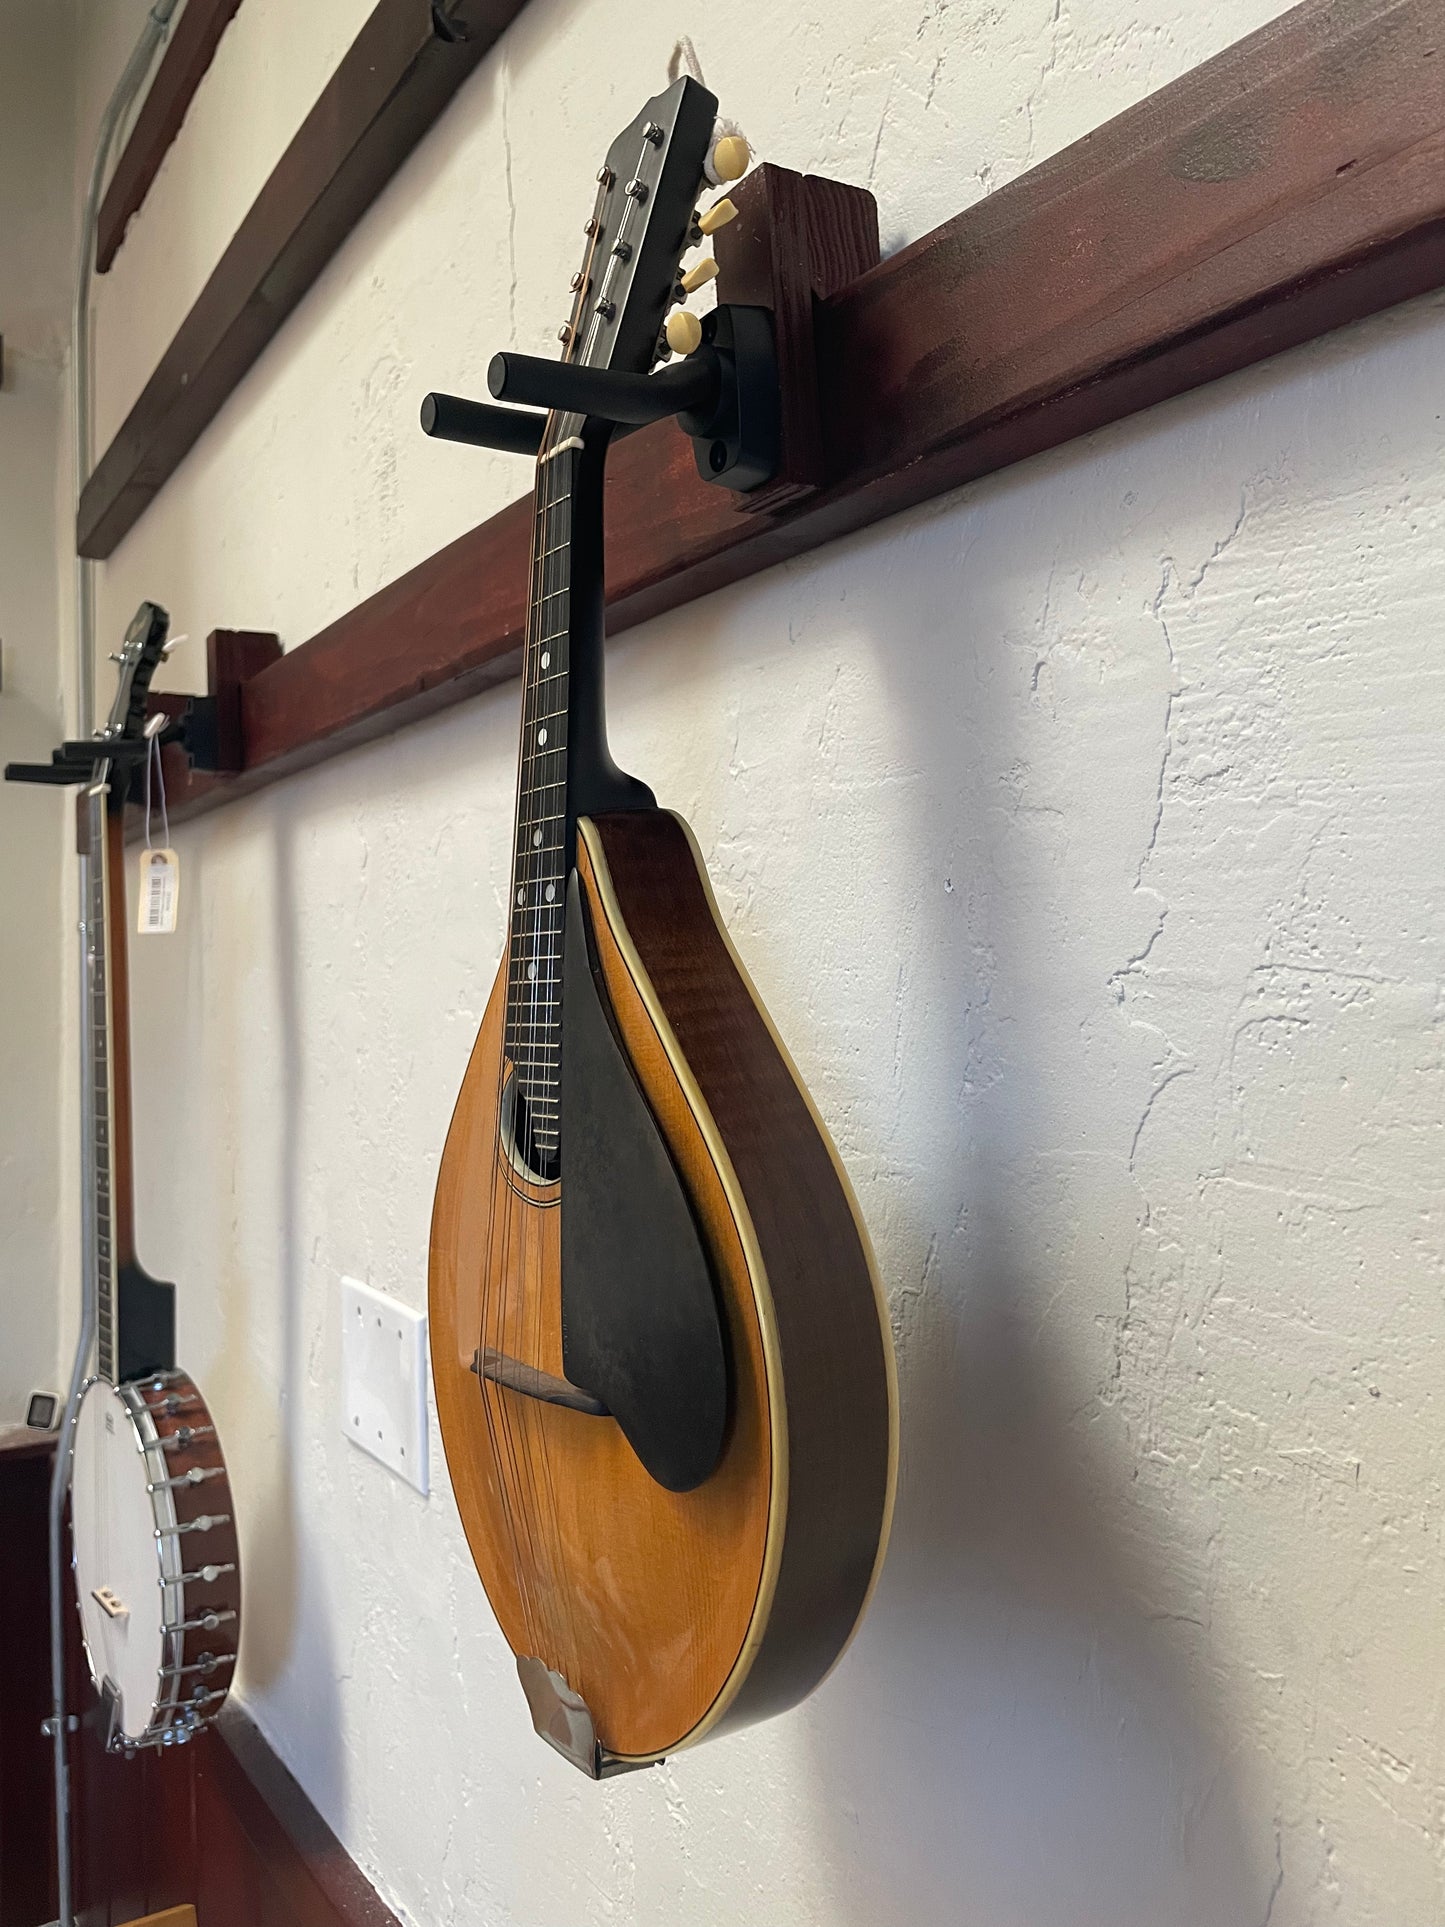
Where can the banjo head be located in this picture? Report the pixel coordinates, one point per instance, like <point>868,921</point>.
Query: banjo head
<point>155,1556</point>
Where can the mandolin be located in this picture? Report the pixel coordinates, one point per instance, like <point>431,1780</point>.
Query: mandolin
<point>155,1555</point>
<point>662,1357</point>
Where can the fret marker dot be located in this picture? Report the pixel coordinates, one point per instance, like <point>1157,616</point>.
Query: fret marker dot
<point>521,896</point>
<point>532,972</point>
<point>541,735</point>
<point>536,839</point>
<point>551,891</point>
<point>546,658</point>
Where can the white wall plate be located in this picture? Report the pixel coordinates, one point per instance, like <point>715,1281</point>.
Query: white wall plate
<point>383,1380</point>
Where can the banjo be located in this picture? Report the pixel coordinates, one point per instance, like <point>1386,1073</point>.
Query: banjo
<point>155,1553</point>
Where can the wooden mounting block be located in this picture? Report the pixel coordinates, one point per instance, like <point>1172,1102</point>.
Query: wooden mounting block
<point>233,656</point>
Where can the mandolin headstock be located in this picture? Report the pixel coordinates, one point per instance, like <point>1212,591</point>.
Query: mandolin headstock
<point>641,223</point>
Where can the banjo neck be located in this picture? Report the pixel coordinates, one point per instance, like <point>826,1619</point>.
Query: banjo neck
<point>135,1314</point>
<point>107,1051</point>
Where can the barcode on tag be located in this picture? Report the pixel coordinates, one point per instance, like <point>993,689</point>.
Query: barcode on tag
<point>160,889</point>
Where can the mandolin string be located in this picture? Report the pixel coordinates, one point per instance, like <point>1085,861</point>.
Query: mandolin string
<point>547,759</point>
<point>543,990</point>
<point>496,1400</point>
<point>525,1021</point>
<point>518,1418</point>
<point>559,577</point>
<point>513,1418</point>
<point>524,1422</point>
<point>560,542</point>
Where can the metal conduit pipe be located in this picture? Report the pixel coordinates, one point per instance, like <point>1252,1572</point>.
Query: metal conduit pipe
<point>152,34</point>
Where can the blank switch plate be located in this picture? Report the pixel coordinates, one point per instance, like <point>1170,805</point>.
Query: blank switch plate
<point>383,1380</point>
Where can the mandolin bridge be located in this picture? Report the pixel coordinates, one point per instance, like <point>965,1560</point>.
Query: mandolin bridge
<point>529,1382</point>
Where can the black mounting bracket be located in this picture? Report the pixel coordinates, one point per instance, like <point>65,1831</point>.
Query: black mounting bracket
<point>194,727</point>
<point>725,396</point>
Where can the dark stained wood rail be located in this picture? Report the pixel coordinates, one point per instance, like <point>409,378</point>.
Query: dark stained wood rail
<point>189,53</point>
<point>1292,184</point>
<point>391,86</point>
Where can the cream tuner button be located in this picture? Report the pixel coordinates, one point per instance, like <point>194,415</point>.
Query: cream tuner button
<point>716,216</point>
<point>729,160</point>
<point>683,331</point>
<point>698,276</point>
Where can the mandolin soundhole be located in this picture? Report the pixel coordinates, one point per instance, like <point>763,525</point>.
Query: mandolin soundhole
<point>517,1129</point>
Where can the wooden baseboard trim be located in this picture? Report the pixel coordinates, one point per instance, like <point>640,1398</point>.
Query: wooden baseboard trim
<point>297,1858</point>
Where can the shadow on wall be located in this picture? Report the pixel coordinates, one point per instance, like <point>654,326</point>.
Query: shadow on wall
<point>1009,1744</point>
<point>282,1650</point>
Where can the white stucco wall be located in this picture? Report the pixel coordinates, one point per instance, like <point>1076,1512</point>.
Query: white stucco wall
<point>36,138</point>
<point>1081,831</point>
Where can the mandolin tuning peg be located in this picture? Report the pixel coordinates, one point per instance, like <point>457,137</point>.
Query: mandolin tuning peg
<point>683,332</point>
<point>729,158</point>
<point>698,276</point>
<point>716,216</point>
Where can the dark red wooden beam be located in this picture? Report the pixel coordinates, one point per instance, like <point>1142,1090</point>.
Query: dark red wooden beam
<point>391,86</point>
<point>1292,184</point>
<point>189,52</point>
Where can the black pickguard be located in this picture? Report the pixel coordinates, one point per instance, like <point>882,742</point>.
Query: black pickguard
<point>641,1328</point>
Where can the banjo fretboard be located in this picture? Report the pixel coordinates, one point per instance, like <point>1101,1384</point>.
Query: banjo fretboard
<point>99,1057</point>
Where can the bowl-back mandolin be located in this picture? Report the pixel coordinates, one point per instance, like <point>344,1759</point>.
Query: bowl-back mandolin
<point>662,1357</point>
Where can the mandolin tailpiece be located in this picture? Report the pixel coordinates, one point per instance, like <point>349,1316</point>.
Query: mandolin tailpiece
<point>562,1719</point>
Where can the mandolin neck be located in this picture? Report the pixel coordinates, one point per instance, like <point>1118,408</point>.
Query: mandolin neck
<point>564,767</point>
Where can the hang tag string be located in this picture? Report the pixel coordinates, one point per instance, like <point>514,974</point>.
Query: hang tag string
<point>153,760</point>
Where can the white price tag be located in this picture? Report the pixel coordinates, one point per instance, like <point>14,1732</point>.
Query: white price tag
<point>160,890</point>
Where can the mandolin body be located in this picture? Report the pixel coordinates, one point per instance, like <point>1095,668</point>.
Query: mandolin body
<point>669,1614</point>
